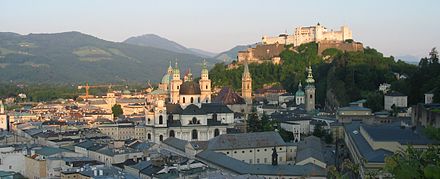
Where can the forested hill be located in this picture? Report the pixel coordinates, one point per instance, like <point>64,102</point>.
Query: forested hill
<point>341,77</point>
<point>73,57</point>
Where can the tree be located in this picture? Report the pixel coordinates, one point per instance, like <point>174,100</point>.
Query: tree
<point>254,124</point>
<point>117,110</point>
<point>433,55</point>
<point>328,138</point>
<point>318,131</point>
<point>413,163</point>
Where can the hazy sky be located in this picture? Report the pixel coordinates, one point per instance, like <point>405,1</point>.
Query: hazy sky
<point>395,27</point>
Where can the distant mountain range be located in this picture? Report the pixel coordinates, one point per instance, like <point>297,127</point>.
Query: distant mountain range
<point>152,40</point>
<point>409,59</point>
<point>74,57</point>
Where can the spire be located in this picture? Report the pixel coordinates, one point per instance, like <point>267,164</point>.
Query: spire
<point>310,79</point>
<point>299,85</point>
<point>170,69</point>
<point>176,68</point>
<point>204,67</point>
<point>246,73</point>
<point>189,75</point>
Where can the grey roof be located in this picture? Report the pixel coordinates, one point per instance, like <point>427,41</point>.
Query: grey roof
<point>90,145</point>
<point>193,109</point>
<point>354,108</point>
<point>174,109</point>
<point>393,132</point>
<point>176,143</point>
<point>141,165</point>
<point>48,151</point>
<point>216,108</point>
<point>130,100</point>
<point>240,167</point>
<point>310,147</point>
<point>245,140</point>
<point>361,145</point>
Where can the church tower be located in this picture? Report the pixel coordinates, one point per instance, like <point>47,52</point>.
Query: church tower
<point>175,85</point>
<point>246,84</point>
<point>205,84</point>
<point>310,91</point>
<point>4,121</point>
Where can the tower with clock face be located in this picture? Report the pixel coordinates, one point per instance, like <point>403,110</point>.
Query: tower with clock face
<point>160,114</point>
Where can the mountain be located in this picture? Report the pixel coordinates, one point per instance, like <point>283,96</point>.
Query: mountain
<point>231,54</point>
<point>73,57</point>
<point>203,53</point>
<point>152,40</point>
<point>409,59</point>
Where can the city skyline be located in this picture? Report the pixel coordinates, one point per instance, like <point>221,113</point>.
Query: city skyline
<point>406,29</point>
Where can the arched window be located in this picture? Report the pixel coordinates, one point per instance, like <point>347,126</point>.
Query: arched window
<point>206,87</point>
<point>311,96</point>
<point>170,118</point>
<point>160,119</point>
<point>214,116</point>
<point>248,86</point>
<point>192,100</point>
<point>216,132</point>
<point>172,133</point>
<point>183,100</point>
<point>194,120</point>
<point>194,134</point>
<point>149,136</point>
<point>149,120</point>
<point>161,138</point>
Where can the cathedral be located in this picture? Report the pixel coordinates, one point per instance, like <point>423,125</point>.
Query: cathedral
<point>182,108</point>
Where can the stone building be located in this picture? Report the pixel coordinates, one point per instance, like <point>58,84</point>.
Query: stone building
<point>397,99</point>
<point>315,33</point>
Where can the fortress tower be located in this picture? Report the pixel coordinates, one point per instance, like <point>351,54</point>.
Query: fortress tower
<point>310,91</point>
<point>205,84</point>
<point>246,84</point>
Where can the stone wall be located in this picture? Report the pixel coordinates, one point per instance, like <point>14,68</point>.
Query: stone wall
<point>343,46</point>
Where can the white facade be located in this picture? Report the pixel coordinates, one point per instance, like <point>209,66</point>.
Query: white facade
<point>429,98</point>
<point>315,33</point>
<point>398,101</point>
<point>11,159</point>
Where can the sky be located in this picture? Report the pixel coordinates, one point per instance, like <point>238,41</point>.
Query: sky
<point>394,27</point>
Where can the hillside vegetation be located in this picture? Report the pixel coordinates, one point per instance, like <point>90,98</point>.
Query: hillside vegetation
<point>73,57</point>
<point>341,77</point>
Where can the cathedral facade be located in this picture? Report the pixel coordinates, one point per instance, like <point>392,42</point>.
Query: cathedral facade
<point>182,108</point>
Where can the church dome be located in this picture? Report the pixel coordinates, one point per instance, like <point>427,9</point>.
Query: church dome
<point>166,79</point>
<point>189,88</point>
<point>299,93</point>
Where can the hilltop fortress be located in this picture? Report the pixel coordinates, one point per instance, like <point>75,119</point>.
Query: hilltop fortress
<point>271,47</point>
<point>315,33</point>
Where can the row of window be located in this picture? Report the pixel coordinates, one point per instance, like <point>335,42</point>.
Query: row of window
<point>250,151</point>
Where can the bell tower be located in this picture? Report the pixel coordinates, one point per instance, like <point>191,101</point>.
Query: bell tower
<point>310,91</point>
<point>175,85</point>
<point>205,85</point>
<point>246,84</point>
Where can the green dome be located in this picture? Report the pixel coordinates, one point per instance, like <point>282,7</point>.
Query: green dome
<point>299,93</point>
<point>166,79</point>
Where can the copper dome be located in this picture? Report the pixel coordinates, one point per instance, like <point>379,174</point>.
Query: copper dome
<point>189,88</point>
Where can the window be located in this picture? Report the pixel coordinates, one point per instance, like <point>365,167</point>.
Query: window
<point>281,148</point>
<point>149,136</point>
<point>250,151</point>
<point>242,151</point>
<point>227,152</point>
<point>235,152</point>
<point>192,100</point>
<point>311,96</point>
<point>194,120</point>
<point>161,138</point>
<point>198,100</point>
<point>250,161</point>
<point>258,150</point>
<point>214,116</point>
<point>183,100</point>
<point>216,132</point>
<point>258,160</point>
<point>160,119</point>
<point>265,160</point>
<point>172,133</point>
<point>206,87</point>
<point>265,150</point>
<point>194,135</point>
<point>149,120</point>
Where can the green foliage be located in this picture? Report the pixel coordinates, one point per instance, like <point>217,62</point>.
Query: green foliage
<point>350,76</point>
<point>254,124</point>
<point>413,163</point>
<point>318,131</point>
<point>117,110</point>
<point>328,138</point>
<point>432,133</point>
<point>73,57</point>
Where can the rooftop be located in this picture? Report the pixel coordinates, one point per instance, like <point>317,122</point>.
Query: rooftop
<point>245,140</point>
